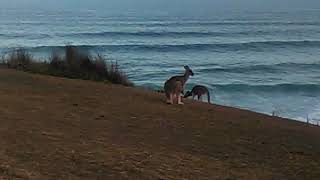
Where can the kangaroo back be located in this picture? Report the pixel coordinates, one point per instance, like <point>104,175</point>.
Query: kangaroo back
<point>171,84</point>
<point>199,90</point>
<point>174,86</point>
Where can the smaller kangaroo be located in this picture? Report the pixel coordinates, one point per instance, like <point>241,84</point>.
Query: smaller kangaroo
<point>199,91</point>
<point>174,86</point>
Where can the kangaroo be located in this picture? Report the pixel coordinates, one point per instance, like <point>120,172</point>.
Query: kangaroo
<point>174,86</point>
<point>199,91</point>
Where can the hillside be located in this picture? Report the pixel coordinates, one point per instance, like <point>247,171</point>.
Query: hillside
<point>55,128</point>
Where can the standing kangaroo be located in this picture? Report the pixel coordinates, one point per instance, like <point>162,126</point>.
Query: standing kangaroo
<point>174,86</point>
<point>199,91</point>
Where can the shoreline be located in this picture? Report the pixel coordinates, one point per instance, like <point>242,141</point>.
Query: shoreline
<point>267,94</point>
<point>310,121</point>
<point>316,122</point>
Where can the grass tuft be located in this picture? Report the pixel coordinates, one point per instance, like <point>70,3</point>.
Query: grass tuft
<point>74,63</point>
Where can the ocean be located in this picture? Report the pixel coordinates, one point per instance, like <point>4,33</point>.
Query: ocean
<point>267,62</point>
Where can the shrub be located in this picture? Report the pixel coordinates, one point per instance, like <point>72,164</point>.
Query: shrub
<point>19,59</point>
<point>74,63</point>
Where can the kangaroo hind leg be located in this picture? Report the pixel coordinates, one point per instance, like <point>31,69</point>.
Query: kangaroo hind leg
<point>179,100</point>
<point>170,99</point>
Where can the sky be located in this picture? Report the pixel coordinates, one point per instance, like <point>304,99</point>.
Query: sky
<point>165,5</point>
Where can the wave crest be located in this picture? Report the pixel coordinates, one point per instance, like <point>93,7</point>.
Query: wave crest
<point>283,88</point>
<point>219,47</point>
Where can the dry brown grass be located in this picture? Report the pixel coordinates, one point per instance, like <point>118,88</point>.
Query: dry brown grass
<point>55,128</point>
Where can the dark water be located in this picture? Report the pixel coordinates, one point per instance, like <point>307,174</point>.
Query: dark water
<point>263,61</point>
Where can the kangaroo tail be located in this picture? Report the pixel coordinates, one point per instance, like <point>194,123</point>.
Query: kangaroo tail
<point>166,89</point>
<point>209,97</point>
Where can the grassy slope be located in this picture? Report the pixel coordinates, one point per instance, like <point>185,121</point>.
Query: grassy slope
<point>54,128</point>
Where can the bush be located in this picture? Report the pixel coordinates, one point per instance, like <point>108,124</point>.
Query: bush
<point>74,63</point>
<point>19,59</point>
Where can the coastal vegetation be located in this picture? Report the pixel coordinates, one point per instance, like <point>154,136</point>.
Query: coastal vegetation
<point>73,63</point>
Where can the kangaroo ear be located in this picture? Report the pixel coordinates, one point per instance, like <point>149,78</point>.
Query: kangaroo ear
<point>186,67</point>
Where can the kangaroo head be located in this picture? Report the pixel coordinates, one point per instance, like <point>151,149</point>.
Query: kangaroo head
<point>188,71</point>
<point>187,94</point>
